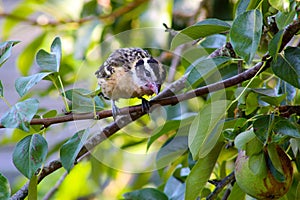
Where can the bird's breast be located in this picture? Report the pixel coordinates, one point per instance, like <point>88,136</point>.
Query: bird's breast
<point>121,84</point>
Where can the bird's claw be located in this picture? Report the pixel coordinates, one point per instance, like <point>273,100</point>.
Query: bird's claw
<point>145,105</point>
<point>115,111</point>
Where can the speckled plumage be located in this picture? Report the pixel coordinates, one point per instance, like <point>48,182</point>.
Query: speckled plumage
<point>128,73</point>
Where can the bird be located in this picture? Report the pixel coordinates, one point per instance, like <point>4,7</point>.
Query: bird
<point>129,73</point>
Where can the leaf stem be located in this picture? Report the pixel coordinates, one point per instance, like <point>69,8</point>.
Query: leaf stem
<point>60,90</point>
<point>64,94</point>
<point>5,101</point>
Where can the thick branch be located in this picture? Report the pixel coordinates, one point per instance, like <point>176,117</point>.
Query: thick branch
<point>135,111</point>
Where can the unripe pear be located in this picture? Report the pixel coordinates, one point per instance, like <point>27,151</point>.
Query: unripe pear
<point>263,186</point>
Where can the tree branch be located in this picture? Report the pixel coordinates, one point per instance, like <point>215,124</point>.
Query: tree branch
<point>220,185</point>
<point>109,17</point>
<point>135,112</point>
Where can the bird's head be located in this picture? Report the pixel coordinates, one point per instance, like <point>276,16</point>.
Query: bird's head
<point>150,74</point>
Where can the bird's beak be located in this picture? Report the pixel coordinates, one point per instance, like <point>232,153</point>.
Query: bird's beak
<point>155,87</point>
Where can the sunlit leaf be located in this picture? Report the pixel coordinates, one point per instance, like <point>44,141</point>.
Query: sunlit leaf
<point>204,68</point>
<point>4,188</point>
<point>287,66</point>
<point>26,57</point>
<point>82,100</point>
<point>145,194</point>
<point>20,115</point>
<point>56,49</point>
<point>201,172</point>
<point>283,5</point>
<point>206,128</point>
<point>23,84</point>
<point>69,151</point>
<point>32,188</point>
<point>5,50</point>
<point>284,19</point>
<point>245,34</point>
<point>251,103</point>
<point>243,138</point>
<point>236,193</point>
<point>50,61</point>
<point>29,154</point>
<point>199,30</point>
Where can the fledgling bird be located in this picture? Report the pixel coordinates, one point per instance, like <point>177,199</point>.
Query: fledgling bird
<point>129,73</point>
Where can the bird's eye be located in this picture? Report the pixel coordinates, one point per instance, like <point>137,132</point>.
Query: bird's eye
<point>148,74</point>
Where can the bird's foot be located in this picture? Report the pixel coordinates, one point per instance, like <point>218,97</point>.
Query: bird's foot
<point>115,110</point>
<point>145,105</point>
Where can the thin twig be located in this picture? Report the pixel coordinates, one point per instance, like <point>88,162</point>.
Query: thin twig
<point>219,187</point>
<point>56,186</point>
<point>109,17</point>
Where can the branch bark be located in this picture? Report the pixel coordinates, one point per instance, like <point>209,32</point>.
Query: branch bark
<point>135,112</point>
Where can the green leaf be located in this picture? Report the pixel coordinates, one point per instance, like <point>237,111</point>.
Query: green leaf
<point>285,127</point>
<point>26,58</point>
<point>32,188</point>
<point>275,44</point>
<point>251,103</point>
<point>174,124</point>
<point>245,34</point>
<point>4,188</point>
<point>243,138</point>
<point>206,128</point>
<point>201,29</point>
<point>201,172</point>
<point>69,151</point>
<point>274,157</point>
<point>282,5</point>
<point>236,193</point>
<point>287,66</point>
<point>23,84</point>
<point>278,176</point>
<point>205,68</point>
<point>284,19</point>
<point>20,115</point>
<point>29,154</point>
<point>1,89</point>
<point>50,113</point>
<point>46,61</point>
<point>56,49</point>
<point>257,164</point>
<point>171,150</point>
<point>82,100</point>
<point>269,96</point>
<point>5,50</point>
<point>262,127</point>
<point>145,194</point>
<point>50,61</point>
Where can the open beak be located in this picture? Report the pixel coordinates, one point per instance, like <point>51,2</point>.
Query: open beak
<point>154,87</point>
